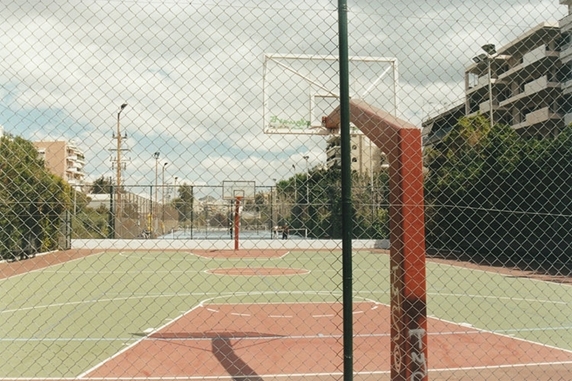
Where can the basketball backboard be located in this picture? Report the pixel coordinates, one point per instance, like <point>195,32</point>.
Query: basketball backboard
<point>231,190</point>
<point>298,90</point>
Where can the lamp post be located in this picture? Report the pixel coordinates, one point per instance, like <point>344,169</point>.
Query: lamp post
<point>307,180</point>
<point>175,186</point>
<point>488,57</point>
<point>154,212</point>
<point>295,186</point>
<point>118,163</point>
<point>273,206</point>
<point>163,198</point>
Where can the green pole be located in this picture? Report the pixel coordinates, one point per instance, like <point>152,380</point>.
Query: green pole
<point>111,221</point>
<point>346,190</point>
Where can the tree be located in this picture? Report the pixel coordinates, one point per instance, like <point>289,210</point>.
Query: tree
<point>102,186</point>
<point>321,214</point>
<point>490,193</point>
<point>32,200</point>
<point>184,203</point>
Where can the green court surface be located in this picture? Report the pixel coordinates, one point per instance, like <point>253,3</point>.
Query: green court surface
<point>62,320</point>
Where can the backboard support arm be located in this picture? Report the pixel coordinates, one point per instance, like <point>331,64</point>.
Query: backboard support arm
<point>401,142</point>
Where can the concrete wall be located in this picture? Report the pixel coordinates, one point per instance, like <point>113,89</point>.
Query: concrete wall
<point>180,244</point>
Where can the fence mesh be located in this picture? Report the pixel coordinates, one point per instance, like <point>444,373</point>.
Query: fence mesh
<point>122,255</point>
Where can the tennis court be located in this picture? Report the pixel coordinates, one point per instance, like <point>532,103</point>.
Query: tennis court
<point>264,314</point>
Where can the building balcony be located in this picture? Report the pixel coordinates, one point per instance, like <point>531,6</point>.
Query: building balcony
<point>485,108</point>
<point>567,87</point>
<point>483,85</point>
<point>536,61</point>
<point>566,22</point>
<point>541,86</point>
<point>539,116</point>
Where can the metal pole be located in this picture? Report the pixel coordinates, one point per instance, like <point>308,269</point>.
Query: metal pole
<point>154,212</point>
<point>307,180</point>
<point>271,212</point>
<point>111,213</point>
<point>163,198</point>
<point>295,186</point>
<point>118,163</point>
<point>192,210</point>
<point>346,191</point>
<point>489,60</point>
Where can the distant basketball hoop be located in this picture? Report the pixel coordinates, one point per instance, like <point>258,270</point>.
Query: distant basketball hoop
<point>237,192</point>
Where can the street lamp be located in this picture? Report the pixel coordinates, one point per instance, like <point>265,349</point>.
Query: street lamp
<point>273,208</point>
<point>488,57</point>
<point>307,180</point>
<point>118,169</point>
<point>154,212</point>
<point>163,198</point>
<point>295,187</point>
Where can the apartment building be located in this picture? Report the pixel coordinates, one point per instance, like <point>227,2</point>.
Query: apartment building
<point>566,58</point>
<point>64,159</point>
<point>520,84</point>
<point>365,156</point>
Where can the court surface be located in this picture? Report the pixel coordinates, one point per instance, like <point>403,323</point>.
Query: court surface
<point>264,315</point>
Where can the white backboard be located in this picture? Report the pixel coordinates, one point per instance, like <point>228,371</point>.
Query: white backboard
<point>233,189</point>
<point>298,90</point>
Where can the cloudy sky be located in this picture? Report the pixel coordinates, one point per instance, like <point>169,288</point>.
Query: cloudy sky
<point>192,73</point>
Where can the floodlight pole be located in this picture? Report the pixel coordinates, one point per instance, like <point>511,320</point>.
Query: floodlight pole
<point>154,211</point>
<point>346,191</point>
<point>163,199</point>
<point>307,180</point>
<point>491,53</point>
<point>118,169</point>
<point>295,186</point>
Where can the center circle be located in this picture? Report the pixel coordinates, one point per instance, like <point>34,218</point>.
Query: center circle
<point>257,271</point>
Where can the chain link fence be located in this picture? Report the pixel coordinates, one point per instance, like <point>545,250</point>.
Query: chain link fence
<point>171,201</point>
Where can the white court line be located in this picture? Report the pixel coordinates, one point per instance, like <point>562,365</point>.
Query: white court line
<point>100,364</point>
<point>376,304</point>
<point>523,365</point>
<point>50,266</point>
<point>498,333</point>
<point>528,300</point>
<point>146,296</point>
<point>287,375</point>
<point>239,259</point>
<point>201,304</point>
<point>499,274</point>
<point>282,337</point>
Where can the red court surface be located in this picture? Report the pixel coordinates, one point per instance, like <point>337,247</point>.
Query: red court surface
<point>241,253</point>
<point>267,341</point>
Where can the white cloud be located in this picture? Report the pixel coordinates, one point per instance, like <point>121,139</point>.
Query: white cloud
<point>191,72</point>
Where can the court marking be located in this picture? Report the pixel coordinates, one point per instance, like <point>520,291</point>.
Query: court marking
<point>376,291</point>
<point>216,308</point>
<point>257,271</point>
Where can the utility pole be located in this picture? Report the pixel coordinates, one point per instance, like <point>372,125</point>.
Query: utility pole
<point>118,167</point>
